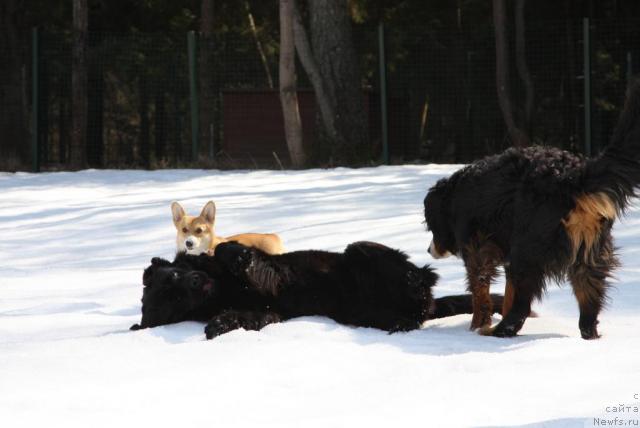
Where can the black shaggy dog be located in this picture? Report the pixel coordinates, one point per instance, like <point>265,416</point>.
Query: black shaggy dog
<point>367,285</point>
<point>544,214</point>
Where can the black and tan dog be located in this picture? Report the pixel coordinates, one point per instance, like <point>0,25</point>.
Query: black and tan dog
<point>367,285</point>
<point>544,214</point>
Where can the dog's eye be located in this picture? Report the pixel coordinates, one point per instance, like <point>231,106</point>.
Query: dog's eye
<point>185,230</point>
<point>198,231</point>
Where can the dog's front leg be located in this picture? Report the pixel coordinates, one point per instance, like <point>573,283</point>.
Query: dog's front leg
<point>257,270</point>
<point>481,260</point>
<point>232,320</point>
<point>235,257</point>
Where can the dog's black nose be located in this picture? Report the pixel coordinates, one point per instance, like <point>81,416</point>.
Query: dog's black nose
<point>189,244</point>
<point>195,281</point>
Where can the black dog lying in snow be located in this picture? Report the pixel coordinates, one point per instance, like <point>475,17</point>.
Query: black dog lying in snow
<point>367,285</point>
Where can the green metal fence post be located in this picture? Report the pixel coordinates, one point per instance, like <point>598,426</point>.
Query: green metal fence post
<point>382,63</point>
<point>195,112</point>
<point>35,98</point>
<point>586,47</point>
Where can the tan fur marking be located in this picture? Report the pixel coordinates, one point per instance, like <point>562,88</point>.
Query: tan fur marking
<point>270,243</point>
<point>584,222</point>
<point>487,330</point>
<point>585,295</point>
<point>507,301</point>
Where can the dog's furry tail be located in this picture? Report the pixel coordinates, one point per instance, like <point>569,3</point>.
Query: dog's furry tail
<point>616,171</point>
<point>461,304</point>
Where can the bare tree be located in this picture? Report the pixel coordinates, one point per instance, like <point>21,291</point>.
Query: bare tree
<point>254,32</point>
<point>78,153</point>
<point>521,64</point>
<point>288,94</point>
<point>518,137</point>
<point>305,54</point>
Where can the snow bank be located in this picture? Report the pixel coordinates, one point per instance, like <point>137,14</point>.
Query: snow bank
<point>73,249</point>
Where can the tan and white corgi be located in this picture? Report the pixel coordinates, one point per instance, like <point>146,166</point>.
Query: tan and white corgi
<point>196,234</point>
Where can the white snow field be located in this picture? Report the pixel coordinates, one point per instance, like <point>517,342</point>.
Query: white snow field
<point>73,247</point>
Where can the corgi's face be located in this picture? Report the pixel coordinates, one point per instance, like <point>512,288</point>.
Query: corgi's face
<point>195,234</point>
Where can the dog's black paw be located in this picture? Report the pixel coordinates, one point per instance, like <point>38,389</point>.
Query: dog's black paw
<point>236,257</point>
<point>404,325</point>
<point>221,324</point>
<point>589,332</point>
<point>508,327</point>
<point>135,327</point>
<point>158,261</point>
<point>504,331</point>
<point>242,261</point>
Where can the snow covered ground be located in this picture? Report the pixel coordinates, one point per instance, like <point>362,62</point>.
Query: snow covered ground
<point>73,247</point>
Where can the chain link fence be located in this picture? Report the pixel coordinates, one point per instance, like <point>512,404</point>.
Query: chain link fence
<point>137,101</point>
<point>157,100</point>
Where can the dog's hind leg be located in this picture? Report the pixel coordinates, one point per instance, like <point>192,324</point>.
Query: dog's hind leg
<point>508,292</point>
<point>527,282</point>
<point>481,260</point>
<point>589,281</point>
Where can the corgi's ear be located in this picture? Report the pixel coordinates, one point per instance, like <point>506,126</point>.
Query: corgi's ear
<point>177,212</point>
<point>209,212</point>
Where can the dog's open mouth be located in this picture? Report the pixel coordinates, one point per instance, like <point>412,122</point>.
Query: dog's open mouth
<point>208,286</point>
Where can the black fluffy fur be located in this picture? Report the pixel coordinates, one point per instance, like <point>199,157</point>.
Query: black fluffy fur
<point>367,285</point>
<point>517,201</point>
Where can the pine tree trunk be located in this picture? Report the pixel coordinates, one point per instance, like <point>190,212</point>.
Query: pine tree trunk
<point>521,64</point>
<point>518,137</point>
<point>78,153</point>
<point>206,70</point>
<point>95,112</point>
<point>335,54</point>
